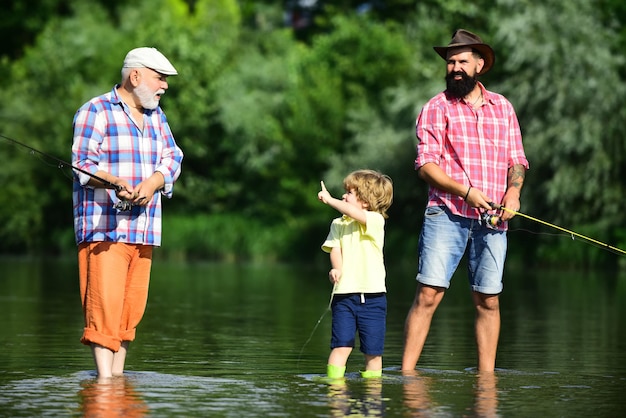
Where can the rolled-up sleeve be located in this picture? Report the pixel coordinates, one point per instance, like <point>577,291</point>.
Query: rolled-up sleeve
<point>430,132</point>
<point>171,159</point>
<point>517,155</point>
<point>88,135</point>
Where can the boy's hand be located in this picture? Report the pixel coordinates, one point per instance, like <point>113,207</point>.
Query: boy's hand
<point>323,194</point>
<point>334,275</point>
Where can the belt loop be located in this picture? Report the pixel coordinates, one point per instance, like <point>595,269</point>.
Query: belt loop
<point>362,298</point>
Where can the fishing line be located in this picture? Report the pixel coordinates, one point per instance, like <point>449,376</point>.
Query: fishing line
<point>572,234</point>
<point>332,294</point>
<point>550,234</point>
<point>121,205</point>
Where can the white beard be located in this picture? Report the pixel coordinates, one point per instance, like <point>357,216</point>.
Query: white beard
<point>147,98</point>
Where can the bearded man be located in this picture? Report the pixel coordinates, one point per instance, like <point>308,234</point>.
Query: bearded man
<point>470,153</point>
<point>123,138</point>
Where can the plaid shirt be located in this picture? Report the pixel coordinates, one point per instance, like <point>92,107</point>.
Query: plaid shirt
<point>473,147</point>
<point>107,139</point>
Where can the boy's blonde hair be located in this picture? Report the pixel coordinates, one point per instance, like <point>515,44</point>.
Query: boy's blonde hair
<point>371,187</point>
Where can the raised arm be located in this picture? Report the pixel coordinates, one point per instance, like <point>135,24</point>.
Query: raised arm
<point>343,207</point>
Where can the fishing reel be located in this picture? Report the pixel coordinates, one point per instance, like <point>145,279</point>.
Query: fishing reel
<point>123,205</point>
<point>490,220</point>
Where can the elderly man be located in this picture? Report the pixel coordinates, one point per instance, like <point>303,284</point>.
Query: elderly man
<point>123,138</point>
<point>470,153</point>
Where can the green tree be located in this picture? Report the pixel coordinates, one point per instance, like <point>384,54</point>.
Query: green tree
<point>77,58</point>
<point>262,116</point>
<point>38,105</point>
<point>560,69</point>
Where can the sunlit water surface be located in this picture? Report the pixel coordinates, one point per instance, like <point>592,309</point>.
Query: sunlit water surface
<point>252,340</point>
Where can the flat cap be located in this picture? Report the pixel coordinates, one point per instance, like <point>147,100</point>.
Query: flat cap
<point>146,57</point>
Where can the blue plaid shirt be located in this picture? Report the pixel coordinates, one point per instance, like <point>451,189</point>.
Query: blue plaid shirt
<point>107,139</point>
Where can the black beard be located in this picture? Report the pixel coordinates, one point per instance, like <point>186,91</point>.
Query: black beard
<point>459,88</point>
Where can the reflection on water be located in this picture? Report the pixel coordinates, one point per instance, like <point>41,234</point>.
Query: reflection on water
<point>486,395</point>
<point>233,340</point>
<point>416,395</point>
<point>111,397</point>
<point>136,394</point>
<point>344,398</point>
<point>425,393</point>
<point>418,390</point>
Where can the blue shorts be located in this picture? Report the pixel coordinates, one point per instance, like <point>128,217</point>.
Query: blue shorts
<point>369,319</point>
<point>445,238</point>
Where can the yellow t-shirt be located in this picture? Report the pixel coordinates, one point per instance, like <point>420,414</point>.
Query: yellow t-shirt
<point>362,251</point>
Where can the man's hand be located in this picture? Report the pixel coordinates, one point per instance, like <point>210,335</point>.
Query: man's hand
<point>123,189</point>
<point>477,199</point>
<point>510,201</point>
<point>144,192</point>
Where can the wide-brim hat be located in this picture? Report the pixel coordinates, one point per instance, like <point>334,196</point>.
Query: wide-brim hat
<point>465,38</point>
<point>146,57</point>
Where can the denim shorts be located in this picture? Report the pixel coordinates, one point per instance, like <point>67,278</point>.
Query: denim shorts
<point>445,238</point>
<point>367,315</point>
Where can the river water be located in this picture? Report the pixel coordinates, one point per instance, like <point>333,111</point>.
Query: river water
<point>230,340</point>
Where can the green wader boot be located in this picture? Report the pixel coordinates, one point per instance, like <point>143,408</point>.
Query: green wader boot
<point>335,372</point>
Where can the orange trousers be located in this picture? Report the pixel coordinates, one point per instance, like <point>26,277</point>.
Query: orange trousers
<point>114,279</point>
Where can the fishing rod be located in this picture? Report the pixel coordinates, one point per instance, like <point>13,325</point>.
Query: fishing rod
<point>328,309</point>
<point>494,220</point>
<point>121,205</point>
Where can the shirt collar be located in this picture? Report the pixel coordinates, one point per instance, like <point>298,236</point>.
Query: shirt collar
<point>117,100</point>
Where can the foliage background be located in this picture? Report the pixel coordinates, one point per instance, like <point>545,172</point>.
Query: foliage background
<point>264,112</point>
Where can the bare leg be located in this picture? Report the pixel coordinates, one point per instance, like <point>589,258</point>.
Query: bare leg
<point>104,360</point>
<point>487,328</point>
<point>336,367</point>
<point>373,362</point>
<point>119,359</point>
<point>339,356</point>
<point>417,323</point>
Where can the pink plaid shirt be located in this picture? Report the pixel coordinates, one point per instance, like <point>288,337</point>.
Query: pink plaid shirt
<point>473,147</point>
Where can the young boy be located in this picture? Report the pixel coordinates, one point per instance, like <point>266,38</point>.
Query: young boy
<point>355,243</point>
